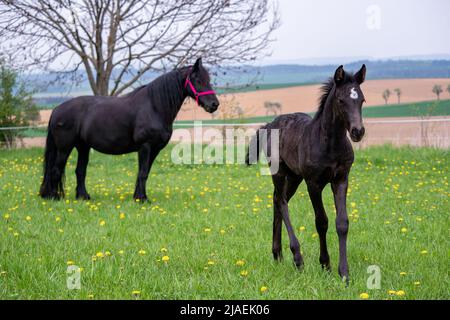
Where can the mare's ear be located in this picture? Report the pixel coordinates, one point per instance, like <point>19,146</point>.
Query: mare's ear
<point>339,75</point>
<point>360,76</point>
<point>197,65</point>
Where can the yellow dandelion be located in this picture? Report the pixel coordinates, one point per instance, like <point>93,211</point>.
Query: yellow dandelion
<point>302,228</point>
<point>121,252</point>
<point>263,289</point>
<point>211,262</point>
<point>222,231</point>
<point>403,230</point>
<point>107,253</point>
<point>57,219</point>
<point>163,250</point>
<point>6,216</point>
<point>28,218</point>
<point>423,252</point>
<point>165,259</point>
<point>240,263</point>
<point>122,216</point>
<point>142,252</point>
<point>400,293</point>
<point>102,223</point>
<point>100,254</point>
<point>391,292</point>
<point>417,283</point>
<point>135,292</point>
<point>403,273</point>
<point>364,295</point>
<point>90,296</point>
<point>70,263</point>
<point>207,230</point>
<point>244,273</point>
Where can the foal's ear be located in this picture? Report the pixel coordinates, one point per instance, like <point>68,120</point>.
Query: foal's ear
<point>197,64</point>
<point>360,76</point>
<point>339,75</point>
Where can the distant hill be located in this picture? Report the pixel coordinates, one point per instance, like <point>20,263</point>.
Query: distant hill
<point>247,78</point>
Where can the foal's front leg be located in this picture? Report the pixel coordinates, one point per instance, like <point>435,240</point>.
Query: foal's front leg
<point>340,200</point>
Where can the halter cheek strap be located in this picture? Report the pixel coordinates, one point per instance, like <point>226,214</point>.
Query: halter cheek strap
<point>196,94</point>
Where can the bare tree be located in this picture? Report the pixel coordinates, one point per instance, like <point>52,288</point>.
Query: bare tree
<point>117,41</point>
<point>398,92</point>
<point>437,90</point>
<point>386,94</point>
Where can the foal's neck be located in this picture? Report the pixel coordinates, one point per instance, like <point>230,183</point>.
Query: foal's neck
<point>331,127</point>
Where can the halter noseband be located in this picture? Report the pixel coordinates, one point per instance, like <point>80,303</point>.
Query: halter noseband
<point>196,94</point>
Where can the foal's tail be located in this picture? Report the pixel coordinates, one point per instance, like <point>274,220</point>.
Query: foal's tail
<point>52,186</point>
<point>253,151</point>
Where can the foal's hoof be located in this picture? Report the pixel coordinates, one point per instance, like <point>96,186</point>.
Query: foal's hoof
<point>299,263</point>
<point>278,256</point>
<point>345,279</point>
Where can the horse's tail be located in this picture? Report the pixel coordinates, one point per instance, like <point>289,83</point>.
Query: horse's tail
<point>51,187</point>
<point>253,149</point>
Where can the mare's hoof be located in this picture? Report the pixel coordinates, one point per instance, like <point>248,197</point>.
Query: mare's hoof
<point>83,197</point>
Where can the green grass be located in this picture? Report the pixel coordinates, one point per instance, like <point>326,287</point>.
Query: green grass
<point>426,108</point>
<point>221,214</point>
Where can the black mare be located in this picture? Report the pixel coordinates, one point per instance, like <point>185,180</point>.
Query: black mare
<point>318,151</point>
<point>139,121</point>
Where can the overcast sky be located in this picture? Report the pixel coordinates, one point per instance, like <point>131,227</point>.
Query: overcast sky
<point>361,28</point>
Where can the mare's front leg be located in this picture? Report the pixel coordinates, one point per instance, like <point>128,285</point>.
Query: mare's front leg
<point>147,155</point>
<point>339,188</point>
<point>144,168</point>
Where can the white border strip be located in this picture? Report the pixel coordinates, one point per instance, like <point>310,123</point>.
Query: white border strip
<point>192,125</point>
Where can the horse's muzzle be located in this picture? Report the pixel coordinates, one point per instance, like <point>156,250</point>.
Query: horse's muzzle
<point>357,134</point>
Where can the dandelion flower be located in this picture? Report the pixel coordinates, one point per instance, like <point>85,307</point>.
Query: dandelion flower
<point>403,230</point>
<point>28,218</point>
<point>99,255</point>
<point>142,252</point>
<point>302,228</point>
<point>244,273</point>
<point>163,250</point>
<point>364,295</point>
<point>90,296</point>
<point>391,292</point>
<point>423,252</point>
<point>122,216</point>
<point>207,230</point>
<point>263,289</point>
<point>240,263</point>
<point>102,223</point>
<point>403,273</point>
<point>135,292</point>
<point>400,293</point>
<point>417,283</point>
<point>6,216</point>
<point>70,263</point>
<point>165,259</point>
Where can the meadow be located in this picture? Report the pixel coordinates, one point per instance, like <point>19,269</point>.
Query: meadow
<point>207,231</point>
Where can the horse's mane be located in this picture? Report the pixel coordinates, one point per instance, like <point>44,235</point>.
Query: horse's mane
<point>325,89</point>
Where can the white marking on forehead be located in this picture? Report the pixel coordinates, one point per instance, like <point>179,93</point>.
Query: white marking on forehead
<point>353,94</point>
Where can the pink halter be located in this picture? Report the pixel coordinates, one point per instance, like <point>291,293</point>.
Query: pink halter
<point>196,94</point>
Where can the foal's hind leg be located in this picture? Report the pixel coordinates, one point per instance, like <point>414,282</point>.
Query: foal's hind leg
<point>292,185</point>
<point>80,171</point>
<point>315,194</point>
<point>280,201</point>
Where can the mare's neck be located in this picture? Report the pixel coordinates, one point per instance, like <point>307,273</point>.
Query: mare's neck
<point>167,94</point>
